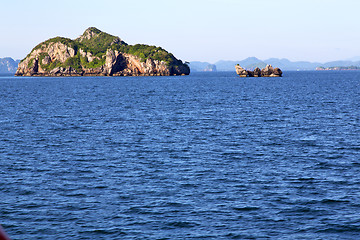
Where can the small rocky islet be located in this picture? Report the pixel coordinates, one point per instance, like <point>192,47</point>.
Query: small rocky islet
<point>96,53</point>
<point>268,71</point>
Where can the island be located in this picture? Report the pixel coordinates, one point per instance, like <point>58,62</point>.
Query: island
<point>268,71</point>
<point>337,68</point>
<point>8,65</point>
<point>96,53</point>
<point>210,68</point>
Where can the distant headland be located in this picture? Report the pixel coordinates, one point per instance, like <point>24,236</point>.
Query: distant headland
<point>337,68</point>
<point>96,53</point>
<point>8,65</point>
<point>268,71</point>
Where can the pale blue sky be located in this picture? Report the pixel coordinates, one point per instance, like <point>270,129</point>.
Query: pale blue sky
<point>204,30</point>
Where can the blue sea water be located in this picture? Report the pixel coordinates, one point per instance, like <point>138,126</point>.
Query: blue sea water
<point>205,156</point>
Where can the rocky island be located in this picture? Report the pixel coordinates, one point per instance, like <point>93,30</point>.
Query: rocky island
<point>96,53</point>
<point>268,71</point>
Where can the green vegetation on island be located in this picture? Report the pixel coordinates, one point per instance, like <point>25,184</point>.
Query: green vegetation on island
<point>89,51</point>
<point>98,46</point>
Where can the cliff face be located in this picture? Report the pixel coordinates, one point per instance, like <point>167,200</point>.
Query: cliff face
<point>36,63</point>
<point>96,53</point>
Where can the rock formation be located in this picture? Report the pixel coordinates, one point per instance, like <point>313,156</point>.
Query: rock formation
<point>268,71</point>
<point>241,71</point>
<point>257,72</point>
<point>96,53</point>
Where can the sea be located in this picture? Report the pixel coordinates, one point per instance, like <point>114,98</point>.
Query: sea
<point>204,156</point>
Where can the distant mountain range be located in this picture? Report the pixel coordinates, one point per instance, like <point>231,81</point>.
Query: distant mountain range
<point>8,65</point>
<point>283,64</point>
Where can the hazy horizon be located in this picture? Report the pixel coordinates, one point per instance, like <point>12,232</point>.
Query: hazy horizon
<point>207,31</point>
<point>353,59</point>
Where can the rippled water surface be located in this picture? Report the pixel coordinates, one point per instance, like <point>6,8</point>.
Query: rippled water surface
<point>205,156</point>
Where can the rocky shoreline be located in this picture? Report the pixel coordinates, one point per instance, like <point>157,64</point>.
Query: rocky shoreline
<point>268,71</point>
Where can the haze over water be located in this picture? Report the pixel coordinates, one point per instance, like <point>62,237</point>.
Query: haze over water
<point>201,30</point>
<point>205,156</point>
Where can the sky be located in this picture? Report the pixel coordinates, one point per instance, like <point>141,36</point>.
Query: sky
<point>194,30</point>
